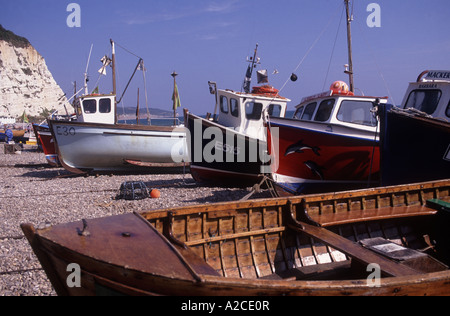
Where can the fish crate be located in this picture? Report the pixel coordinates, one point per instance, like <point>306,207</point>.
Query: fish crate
<point>136,190</point>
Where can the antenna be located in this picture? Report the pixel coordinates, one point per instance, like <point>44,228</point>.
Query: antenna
<point>86,78</point>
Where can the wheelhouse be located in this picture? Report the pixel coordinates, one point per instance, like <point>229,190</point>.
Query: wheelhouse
<point>430,94</point>
<point>245,113</point>
<point>96,109</point>
<point>339,109</point>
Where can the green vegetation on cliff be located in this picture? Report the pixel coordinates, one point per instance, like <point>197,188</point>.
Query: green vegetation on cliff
<point>15,40</point>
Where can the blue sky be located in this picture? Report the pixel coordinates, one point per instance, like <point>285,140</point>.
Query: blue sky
<point>209,40</point>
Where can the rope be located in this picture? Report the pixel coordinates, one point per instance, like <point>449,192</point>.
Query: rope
<point>311,48</point>
<point>334,46</point>
<point>376,63</point>
<point>149,120</point>
<point>128,51</point>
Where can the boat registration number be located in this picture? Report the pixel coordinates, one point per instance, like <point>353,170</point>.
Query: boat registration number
<point>65,131</point>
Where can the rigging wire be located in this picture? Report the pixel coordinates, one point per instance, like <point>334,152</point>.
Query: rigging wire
<point>334,46</point>
<point>142,67</point>
<point>312,46</point>
<point>376,64</point>
<point>149,120</point>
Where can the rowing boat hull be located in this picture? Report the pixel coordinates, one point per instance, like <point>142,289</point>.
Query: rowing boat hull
<point>100,147</point>
<point>235,249</point>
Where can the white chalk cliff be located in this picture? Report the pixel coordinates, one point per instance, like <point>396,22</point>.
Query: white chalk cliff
<point>26,84</point>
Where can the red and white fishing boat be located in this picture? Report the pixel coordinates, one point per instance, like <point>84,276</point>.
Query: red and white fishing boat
<point>332,143</point>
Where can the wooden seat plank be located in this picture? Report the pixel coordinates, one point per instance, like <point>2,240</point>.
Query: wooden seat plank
<point>354,250</point>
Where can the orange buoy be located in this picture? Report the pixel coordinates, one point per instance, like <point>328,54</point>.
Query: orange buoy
<point>155,194</point>
<point>265,90</point>
<point>340,87</point>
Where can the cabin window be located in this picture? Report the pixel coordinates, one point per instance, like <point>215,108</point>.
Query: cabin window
<point>324,112</point>
<point>275,110</point>
<point>90,106</point>
<point>253,110</point>
<point>424,100</point>
<point>298,113</point>
<point>309,111</point>
<point>105,106</point>
<point>357,112</point>
<point>224,104</point>
<point>234,107</point>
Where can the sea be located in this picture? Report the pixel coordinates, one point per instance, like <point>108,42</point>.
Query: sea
<point>169,121</point>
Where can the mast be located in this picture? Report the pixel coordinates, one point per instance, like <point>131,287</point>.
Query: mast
<point>349,40</point>
<point>86,78</point>
<point>175,98</point>
<point>248,76</point>
<point>114,78</point>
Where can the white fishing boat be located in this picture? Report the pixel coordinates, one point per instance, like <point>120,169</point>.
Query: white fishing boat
<point>237,154</point>
<point>96,142</point>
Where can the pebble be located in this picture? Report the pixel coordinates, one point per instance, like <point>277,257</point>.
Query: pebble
<point>33,192</point>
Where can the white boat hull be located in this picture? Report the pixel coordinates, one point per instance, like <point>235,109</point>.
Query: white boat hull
<point>88,146</point>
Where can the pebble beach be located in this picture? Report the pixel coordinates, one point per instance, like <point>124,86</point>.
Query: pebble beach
<point>33,192</point>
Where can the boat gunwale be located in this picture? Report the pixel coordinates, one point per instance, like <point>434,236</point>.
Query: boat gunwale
<point>280,201</point>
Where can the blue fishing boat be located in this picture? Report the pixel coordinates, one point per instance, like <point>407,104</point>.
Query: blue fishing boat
<point>415,138</point>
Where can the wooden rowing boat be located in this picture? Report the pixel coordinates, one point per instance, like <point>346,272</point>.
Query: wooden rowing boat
<point>381,241</point>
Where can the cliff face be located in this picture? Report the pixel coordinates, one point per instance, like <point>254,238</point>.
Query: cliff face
<point>26,84</point>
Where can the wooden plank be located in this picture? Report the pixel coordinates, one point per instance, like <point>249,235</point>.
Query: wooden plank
<point>326,220</point>
<point>237,235</point>
<point>354,250</point>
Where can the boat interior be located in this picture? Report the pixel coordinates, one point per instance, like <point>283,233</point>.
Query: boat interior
<point>404,233</point>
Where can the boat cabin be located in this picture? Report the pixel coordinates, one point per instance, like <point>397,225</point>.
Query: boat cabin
<point>96,108</point>
<point>246,112</point>
<point>4,120</point>
<point>430,94</point>
<point>339,107</point>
